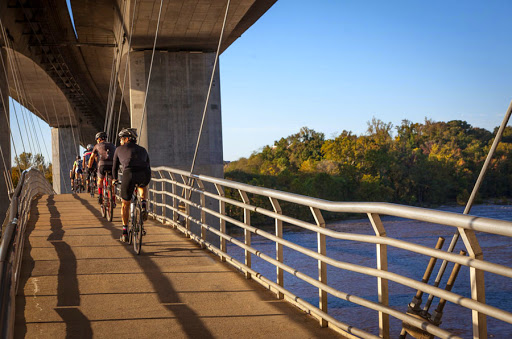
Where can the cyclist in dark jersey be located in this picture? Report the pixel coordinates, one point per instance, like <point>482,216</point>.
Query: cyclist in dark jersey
<point>136,171</point>
<point>104,153</point>
<point>90,171</point>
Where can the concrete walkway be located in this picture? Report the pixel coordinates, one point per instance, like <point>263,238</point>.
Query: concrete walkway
<point>79,281</point>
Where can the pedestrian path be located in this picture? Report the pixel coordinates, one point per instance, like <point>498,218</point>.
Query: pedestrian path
<point>79,281</point>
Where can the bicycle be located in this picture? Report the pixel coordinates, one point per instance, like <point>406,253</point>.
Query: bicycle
<point>108,202</point>
<point>77,184</point>
<point>136,230</point>
<point>92,183</point>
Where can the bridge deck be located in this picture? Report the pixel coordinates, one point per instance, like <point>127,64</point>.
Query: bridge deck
<point>78,280</point>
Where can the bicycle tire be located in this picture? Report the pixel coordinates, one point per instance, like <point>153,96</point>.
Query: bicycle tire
<point>108,204</point>
<point>137,232</point>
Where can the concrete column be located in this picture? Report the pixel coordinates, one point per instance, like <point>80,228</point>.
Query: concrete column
<point>174,109</point>
<point>5,140</point>
<point>64,152</point>
<point>175,103</point>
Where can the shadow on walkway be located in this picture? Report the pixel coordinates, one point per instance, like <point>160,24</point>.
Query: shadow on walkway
<point>190,322</point>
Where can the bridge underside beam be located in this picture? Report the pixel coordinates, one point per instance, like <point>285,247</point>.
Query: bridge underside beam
<point>64,152</point>
<point>5,141</point>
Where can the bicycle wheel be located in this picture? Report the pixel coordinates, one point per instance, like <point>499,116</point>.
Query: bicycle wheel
<point>109,207</point>
<point>137,231</point>
<point>104,203</point>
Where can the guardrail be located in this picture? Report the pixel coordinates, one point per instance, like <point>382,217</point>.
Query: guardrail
<point>179,198</point>
<point>32,182</point>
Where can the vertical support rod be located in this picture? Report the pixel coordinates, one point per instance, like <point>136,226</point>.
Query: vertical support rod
<point>322,267</point>
<point>247,233</point>
<point>202,201</point>
<point>163,195</point>
<point>279,247</point>
<point>382,264</point>
<point>222,222</point>
<point>174,203</point>
<point>187,206</point>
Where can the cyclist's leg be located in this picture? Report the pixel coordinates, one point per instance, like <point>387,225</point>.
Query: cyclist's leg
<point>127,187</point>
<point>143,181</point>
<point>99,182</point>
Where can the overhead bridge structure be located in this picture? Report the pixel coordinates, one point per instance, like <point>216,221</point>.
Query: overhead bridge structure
<point>91,73</point>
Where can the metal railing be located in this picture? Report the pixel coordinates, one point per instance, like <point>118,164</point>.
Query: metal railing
<point>32,183</point>
<point>179,198</point>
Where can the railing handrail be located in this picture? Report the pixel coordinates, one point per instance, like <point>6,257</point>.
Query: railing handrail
<point>10,256</point>
<point>466,221</point>
<point>183,187</point>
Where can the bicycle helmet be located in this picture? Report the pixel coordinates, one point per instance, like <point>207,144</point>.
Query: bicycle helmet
<point>101,135</point>
<point>90,147</point>
<point>130,133</point>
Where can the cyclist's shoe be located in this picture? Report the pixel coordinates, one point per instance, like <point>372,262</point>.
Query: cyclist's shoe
<point>124,237</point>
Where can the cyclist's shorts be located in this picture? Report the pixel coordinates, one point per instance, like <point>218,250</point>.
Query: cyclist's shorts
<point>79,171</point>
<point>131,178</point>
<point>102,169</point>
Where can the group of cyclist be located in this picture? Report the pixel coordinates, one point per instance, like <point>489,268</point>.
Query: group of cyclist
<point>105,159</point>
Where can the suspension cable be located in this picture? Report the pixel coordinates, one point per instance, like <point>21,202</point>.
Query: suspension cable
<point>23,100</point>
<point>11,58</point>
<point>7,119</point>
<point>210,88</point>
<point>109,115</point>
<point>40,129</point>
<point>15,113</point>
<point>126,70</point>
<point>150,70</point>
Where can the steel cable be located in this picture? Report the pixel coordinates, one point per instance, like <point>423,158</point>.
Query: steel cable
<point>126,70</point>
<point>209,88</point>
<point>150,70</point>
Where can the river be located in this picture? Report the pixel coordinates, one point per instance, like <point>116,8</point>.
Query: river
<point>456,319</point>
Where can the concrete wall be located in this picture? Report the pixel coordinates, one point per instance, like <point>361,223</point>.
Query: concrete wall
<point>5,141</point>
<point>64,152</point>
<point>174,109</point>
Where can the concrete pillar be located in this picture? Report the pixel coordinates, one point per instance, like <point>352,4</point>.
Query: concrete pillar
<point>175,103</point>
<point>64,152</point>
<point>5,140</point>
<point>174,109</point>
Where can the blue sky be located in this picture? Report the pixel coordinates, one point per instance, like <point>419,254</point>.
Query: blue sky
<point>333,65</point>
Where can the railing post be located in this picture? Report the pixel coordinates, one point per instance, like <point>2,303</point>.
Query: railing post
<point>382,264</point>
<point>202,200</point>
<point>247,233</point>
<point>222,222</point>
<point>279,247</point>
<point>322,267</point>
<point>477,282</point>
<point>187,205</point>
<point>174,204</point>
<point>163,196</point>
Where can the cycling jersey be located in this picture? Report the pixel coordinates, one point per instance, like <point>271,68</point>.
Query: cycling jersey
<point>130,156</point>
<point>136,168</point>
<point>104,152</point>
<point>78,166</point>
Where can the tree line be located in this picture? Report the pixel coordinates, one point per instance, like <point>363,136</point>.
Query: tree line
<point>26,160</point>
<point>420,164</point>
